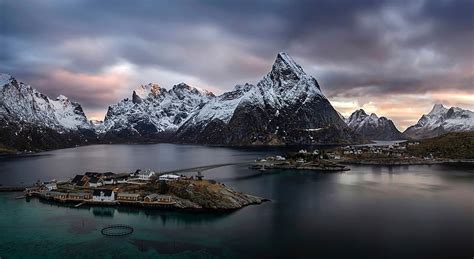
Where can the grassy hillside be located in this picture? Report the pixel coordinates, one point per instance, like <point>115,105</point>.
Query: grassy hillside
<point>458,145</point>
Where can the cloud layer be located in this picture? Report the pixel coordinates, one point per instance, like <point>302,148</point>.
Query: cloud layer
<point>395,58</point>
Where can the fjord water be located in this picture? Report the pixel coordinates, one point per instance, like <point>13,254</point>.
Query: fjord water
<point>368,212</point>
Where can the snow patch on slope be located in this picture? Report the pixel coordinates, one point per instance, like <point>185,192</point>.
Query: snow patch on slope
<point>284,85</point>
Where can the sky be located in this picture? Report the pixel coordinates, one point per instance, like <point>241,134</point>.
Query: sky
<point>394,58</point>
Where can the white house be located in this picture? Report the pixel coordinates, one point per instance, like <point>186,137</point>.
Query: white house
<point>103,195</point>
<point>280,158</point>
<point>145,175</point>
<point>51,186</point>
<point>109,181</point>
<point>169,177</point>
<point>95,182</point>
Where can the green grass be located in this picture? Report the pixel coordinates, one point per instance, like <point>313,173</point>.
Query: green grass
<point>456,145</point>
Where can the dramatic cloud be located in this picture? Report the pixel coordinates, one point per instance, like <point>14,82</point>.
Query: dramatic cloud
<point>395,58</point>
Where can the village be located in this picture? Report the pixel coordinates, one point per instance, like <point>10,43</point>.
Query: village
<point>302,160</point>
<point>107,189</point>
<point>333,159</point>
<point>397,153</point>
<point>143,188</point>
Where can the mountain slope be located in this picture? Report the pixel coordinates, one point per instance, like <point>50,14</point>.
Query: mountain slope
<point>372,127</point>
<point>153,112</point>
<point>285,107</point>
<point>31,120</point>
<point>441,120</point>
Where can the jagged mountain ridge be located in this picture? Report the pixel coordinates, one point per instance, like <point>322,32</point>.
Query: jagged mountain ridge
<point>153,112</point>
<point>372,127</point>
<point>285,107</point>
<point>31,120</point>
<point>441,120</point>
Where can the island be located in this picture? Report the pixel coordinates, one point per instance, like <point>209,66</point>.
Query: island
<point>301,160</point>
<point>143,189</point>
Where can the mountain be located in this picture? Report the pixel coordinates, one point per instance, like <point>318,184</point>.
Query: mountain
<point>372,127</point>
<point>286,107</point>
<point>32,121</point>
<point>441,120</point>
<point>152,112</point>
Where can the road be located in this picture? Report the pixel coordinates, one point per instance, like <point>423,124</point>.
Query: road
<point>204,168</point>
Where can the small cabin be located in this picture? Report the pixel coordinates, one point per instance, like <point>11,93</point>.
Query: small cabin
<point>109,181</point>
<point>164,198</point>
<point>150,198</point>
<point>79,196</point>
<point>145,175</point>
<point>95,182</point>
<point>158,198</point>
<point>51,186</point>
<point>125,196</point>
<point>103,195</point>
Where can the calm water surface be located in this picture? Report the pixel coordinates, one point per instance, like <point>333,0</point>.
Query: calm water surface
<point>368,212</point>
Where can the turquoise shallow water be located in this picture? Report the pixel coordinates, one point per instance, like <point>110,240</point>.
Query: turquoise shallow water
<point>368,212</point>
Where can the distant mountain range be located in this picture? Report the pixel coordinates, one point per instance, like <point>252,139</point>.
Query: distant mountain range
<point>441,120</point>
<point>286,107</point>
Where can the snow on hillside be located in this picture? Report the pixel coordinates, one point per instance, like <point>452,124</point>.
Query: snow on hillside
<point>373,127</point>
<point>442,120</point>
<point>154,109</point>
<point>286,84</point>
<point>21,102</point>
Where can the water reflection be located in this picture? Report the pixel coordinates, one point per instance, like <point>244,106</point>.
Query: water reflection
<point>103,211</point>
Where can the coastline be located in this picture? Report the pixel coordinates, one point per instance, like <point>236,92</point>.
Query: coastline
<point>183,194</point>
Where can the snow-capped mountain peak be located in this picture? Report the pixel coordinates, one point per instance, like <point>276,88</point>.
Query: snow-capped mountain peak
<point>285,94</point>
<point>373,127</point>
<point>284,62</point>
<point>441,120</point>
<point>143,91</point>
<point>374,116</point>
<point>21,102</point>
<point>154,110</point>
<point>288,77</point>
<point>62,98</point>
<point>437,108</point>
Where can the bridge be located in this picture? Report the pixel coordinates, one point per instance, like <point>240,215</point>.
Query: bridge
<point>204,168</point>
